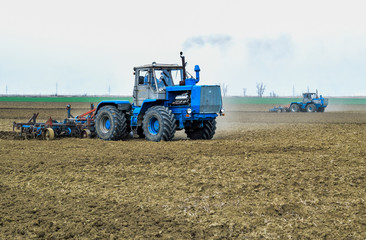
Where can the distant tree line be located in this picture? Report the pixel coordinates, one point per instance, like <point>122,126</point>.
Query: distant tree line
<point>260,90</point>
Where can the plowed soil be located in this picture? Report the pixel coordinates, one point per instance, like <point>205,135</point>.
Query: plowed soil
<point>264,175</point>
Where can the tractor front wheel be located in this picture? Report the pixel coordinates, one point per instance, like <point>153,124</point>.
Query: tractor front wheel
<point>111,124</point>
<point>310,108</point>
<point>206,132</point>
<point>294,108</point>
<point>159,124</point>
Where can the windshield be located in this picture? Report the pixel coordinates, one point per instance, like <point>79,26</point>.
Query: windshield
<point>310,95</point>
<point>168,77</point>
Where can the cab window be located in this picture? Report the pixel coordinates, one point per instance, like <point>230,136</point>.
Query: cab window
<point>143,77</point>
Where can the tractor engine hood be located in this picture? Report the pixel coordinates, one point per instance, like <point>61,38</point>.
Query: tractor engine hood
<point>203,98</point>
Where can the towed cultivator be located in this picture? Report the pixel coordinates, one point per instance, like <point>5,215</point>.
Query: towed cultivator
<point>80,126</point>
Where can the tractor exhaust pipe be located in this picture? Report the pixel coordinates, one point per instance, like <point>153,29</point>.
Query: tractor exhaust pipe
<point>183,82</point>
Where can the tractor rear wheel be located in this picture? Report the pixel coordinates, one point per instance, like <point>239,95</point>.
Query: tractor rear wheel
<point>310,108</point>
<point>206,132</point>
<point>294,108</point>
<point>111,124</point>
<point>159,124</point>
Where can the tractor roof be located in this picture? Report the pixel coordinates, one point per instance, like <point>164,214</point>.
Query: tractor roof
<point>159,66</point>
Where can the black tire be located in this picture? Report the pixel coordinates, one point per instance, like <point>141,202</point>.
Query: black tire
<point>310,107</point>
<point>159,124</point>
<point>111,124</point>
<point>294,108</point>
<point>206,132</point>
<point>140,132</point>
<point>321,109</point>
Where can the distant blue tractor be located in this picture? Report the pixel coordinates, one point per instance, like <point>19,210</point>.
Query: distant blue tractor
<point>165,99</point>
<point>311,102</point>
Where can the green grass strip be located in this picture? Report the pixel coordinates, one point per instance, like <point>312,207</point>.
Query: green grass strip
<point>227,100</point>
<point>61,99</point>
<point>284,101</point>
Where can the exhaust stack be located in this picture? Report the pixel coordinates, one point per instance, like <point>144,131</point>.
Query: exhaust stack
<point>183,82</point>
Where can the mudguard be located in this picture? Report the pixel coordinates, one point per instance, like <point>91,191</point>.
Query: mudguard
<point>122,105</point>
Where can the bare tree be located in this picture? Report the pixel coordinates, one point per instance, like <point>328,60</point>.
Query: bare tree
<point>244,92</point>
<point>273,94</point>
<point>224,89</point>
<point>260,89</point>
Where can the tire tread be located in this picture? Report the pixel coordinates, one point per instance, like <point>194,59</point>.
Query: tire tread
<point>168,124</point>
<point>120,122</point>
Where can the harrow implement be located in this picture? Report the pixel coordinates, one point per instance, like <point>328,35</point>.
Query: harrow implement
<point>80,126</point>
<point>280,109</point>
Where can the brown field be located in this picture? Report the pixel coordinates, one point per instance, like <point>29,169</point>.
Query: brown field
<point>264,175</point>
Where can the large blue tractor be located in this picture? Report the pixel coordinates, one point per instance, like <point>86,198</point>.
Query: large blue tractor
<point>165,99</point>
<point>311,102</point>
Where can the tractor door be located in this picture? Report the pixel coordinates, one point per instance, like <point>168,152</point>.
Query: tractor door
<point>160,81</point>
<point>142,87</point>
<point>148,86</point>
<point>306,98</point>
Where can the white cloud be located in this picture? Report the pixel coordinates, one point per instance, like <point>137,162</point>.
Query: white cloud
<point>86,46</point>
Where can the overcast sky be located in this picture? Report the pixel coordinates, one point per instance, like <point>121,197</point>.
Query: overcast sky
<point>85,47</point>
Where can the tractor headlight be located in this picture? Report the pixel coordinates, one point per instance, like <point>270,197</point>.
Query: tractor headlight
<point>189,111</point>
<point>222,110</point>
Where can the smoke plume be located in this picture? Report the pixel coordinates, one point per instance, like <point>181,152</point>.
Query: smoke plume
<point>213,40</point>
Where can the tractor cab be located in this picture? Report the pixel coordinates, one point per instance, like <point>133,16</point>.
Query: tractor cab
<point>151,81</point>
<point>307,97</point>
